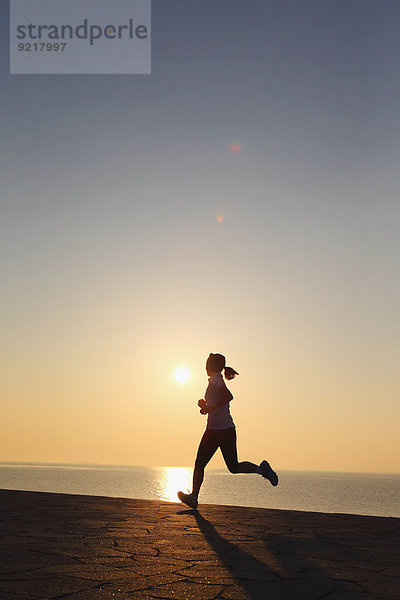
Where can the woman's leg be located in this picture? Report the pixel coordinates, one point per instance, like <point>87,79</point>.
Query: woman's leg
<point>208,446</point>
<point>229,452</point>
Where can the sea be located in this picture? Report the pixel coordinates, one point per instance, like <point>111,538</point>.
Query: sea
<point>315,491</point>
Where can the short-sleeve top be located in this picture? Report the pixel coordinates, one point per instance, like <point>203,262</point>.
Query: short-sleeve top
<point>219,418</point>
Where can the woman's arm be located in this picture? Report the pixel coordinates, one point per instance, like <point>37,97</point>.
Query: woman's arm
<point>224,397</point>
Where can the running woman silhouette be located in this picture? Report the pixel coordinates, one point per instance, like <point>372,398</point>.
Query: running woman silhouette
<point>220,431</point>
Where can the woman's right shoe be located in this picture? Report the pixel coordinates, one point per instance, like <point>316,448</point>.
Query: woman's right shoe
<point>269,473</point>
<point>188,499</point>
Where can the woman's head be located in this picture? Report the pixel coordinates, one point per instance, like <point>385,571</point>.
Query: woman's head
<point>216,362</point>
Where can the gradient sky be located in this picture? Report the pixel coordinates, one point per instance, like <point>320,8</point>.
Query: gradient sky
<point>115,269</point>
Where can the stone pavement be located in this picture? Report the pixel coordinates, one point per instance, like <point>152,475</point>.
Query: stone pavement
<point>95,548</point>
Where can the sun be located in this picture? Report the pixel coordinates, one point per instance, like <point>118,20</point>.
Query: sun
<point>182,374</point>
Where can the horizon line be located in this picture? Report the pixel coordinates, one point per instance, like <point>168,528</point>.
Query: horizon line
<point>128,466</point>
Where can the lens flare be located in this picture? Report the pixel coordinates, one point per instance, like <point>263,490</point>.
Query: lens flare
<point>235,148</point>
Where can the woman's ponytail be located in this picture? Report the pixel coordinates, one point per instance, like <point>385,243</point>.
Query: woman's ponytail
<point>216,363</point>
<point>230,373</point>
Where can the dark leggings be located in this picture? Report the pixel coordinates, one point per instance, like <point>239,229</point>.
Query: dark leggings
<point>210,442</point>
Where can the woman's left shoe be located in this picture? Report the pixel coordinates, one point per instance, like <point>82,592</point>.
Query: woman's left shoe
<point>269,473</point>
<point>188,499</point>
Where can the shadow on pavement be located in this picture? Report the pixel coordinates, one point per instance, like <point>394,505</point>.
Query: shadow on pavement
<point>282,571</point>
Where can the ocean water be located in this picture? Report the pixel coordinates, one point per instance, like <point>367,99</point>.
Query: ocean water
<point>352,493</point>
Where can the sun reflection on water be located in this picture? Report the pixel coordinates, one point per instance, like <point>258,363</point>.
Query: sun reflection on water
<point>173,479</point>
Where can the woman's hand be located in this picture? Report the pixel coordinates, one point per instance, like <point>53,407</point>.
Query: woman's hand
<point>203,406</point>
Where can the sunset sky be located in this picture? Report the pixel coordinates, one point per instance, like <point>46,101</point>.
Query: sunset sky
<point>241,199</point>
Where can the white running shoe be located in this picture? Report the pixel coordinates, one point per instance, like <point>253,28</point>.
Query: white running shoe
<point>188,499</point>
<point>268,473</point>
